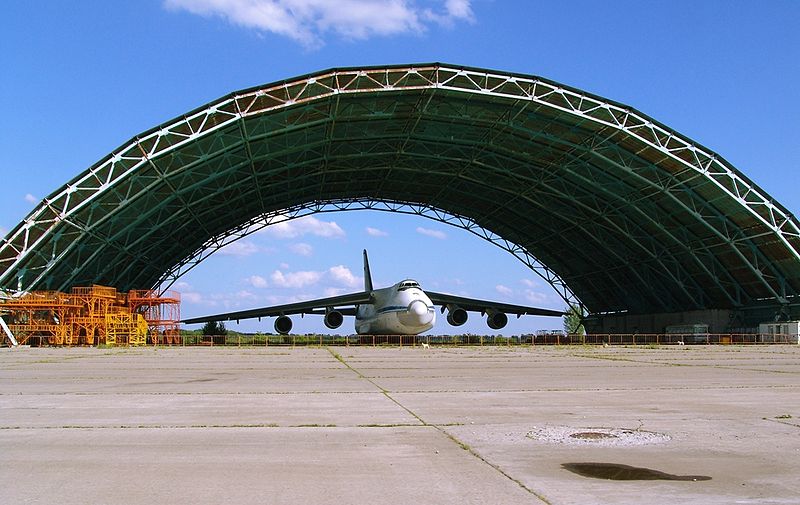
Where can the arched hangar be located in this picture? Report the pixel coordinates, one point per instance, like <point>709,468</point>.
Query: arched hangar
<point>639,224</point>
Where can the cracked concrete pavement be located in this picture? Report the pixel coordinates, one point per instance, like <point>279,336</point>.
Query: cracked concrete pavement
<point>395,425</point>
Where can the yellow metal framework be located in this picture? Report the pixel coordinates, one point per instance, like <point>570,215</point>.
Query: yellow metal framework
<point>124,328</point>
<point>161,311</point>
<point>96,315</point>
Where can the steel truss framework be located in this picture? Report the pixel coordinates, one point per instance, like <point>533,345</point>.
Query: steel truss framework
<point>252,226</point>
<point>604,202</point>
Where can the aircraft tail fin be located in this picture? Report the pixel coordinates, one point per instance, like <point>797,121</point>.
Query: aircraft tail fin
<point>367,275</point>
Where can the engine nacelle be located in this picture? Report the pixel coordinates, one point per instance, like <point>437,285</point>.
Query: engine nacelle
<point>496,320</point>
<point>456,316</point>
<point>283,325</point>
<point>333,319</point>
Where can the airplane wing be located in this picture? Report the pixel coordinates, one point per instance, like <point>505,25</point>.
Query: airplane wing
<point>342,303</point>
<point>475,305</point>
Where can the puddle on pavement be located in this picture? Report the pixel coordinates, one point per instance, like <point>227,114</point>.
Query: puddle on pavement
<point>614,471</point>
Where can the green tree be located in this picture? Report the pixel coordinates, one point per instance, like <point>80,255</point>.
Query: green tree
<point>214,328</point>
<point>573,320</point>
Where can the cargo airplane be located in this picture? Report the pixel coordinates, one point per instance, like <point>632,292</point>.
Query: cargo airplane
<point>402,309</point>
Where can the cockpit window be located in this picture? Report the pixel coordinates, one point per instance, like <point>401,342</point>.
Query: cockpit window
<point>408,284</point>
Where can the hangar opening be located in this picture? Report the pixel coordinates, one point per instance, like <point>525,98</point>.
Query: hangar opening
<point>641,226</point>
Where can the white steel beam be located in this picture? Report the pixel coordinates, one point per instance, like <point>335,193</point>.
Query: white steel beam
<point>8,333</point>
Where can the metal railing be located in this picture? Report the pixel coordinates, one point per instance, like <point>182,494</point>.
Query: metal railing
<point>553,339</point>
<point>263,340</point>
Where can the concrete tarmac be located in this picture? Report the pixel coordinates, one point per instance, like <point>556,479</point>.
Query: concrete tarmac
<point>347,425</point>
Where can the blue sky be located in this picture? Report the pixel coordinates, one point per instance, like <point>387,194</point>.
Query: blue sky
<point>80,78</point>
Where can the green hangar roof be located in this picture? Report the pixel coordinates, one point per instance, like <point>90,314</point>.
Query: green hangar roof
<point>614,209</point>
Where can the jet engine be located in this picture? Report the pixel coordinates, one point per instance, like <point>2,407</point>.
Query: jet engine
<point>283,325</point>
<point>456,316</point>
<point>495,319</point>
<point>333,319</point>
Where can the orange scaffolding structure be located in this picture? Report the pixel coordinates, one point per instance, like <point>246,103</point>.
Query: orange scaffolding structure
<point>89,320</point>
<point>42,313</point>
<point>95,315</point>
<point>162,313</point>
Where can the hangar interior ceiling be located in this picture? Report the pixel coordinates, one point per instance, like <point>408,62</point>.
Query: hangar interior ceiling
<point>615,210</point>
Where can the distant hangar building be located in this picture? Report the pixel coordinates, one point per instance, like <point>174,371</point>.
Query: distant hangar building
<point>640,225</point>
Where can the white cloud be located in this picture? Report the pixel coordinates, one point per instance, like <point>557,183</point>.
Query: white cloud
<point>294,228</point>
<point>256,281</point>
<point>455,10</point>
<point>244,295</point>
<point>302,249</point>
<point>333,292</point>
<point>535,296</point>
<point>30,198</point>
<point>344,276</point>
<point>202,299</point>
<point>459,9</point>
<point>228,300</point>
<point>375,232</point>
<point>284,266</point>
<point>307,21</point>
<point>527,282</point>
<point>192,297</point>
<point>284,299</point>
<point>338,275</point>
<point>431,233</point>
<point>3,232</point>
<point>295,279</point>
<point>239,248</point>
<point>504,290</point>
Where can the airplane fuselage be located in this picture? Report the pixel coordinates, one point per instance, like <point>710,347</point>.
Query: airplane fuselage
<point>402,309</point>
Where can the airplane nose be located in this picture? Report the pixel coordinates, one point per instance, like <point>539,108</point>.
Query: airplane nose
<point>418,313</point>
